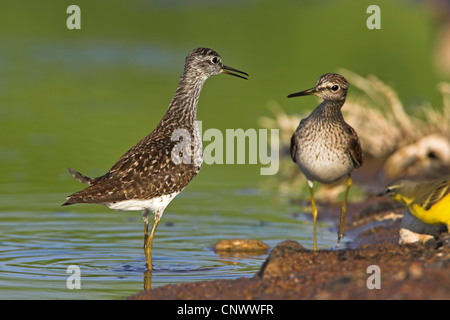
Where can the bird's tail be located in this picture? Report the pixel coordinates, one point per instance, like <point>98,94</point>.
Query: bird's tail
<point>80,196</point>
<point>74,199</point>
<point>80,177</point>
<point>67,203</point>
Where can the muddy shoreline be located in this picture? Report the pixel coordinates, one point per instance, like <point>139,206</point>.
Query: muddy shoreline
<point>410,271</point>
<point>406,271</point>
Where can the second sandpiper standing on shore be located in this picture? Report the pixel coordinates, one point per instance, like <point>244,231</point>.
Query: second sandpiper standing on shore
<point>324,146</point>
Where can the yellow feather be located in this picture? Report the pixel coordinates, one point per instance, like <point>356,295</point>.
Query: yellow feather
<point>427,200</point>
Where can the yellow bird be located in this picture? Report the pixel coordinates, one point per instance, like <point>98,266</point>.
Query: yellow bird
<point>427,200</point>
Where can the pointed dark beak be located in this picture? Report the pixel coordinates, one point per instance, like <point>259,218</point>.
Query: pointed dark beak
<point>312,91</point>
<point>232,71</point>
<point>381,194</point>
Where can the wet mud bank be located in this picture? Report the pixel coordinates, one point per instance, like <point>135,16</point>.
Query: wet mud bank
<point>371,266</point>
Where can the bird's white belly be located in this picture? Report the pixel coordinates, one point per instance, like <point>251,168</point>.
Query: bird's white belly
<point>156,204</point>
<point>323,165</point>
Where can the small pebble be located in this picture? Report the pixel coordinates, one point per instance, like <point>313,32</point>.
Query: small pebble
<point>241,245</point>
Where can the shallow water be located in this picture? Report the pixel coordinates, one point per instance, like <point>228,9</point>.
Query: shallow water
<point>38,246</point>
<point>51,128</point>
<point>69,118</point>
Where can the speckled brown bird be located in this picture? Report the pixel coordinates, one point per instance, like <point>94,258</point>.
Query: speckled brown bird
<point>149,175</point>
<point>324,146</point>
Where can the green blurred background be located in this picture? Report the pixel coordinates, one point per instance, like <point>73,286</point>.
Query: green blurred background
<point>81,98</point>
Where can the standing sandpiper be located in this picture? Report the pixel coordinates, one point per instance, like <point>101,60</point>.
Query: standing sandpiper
<point>324,146</point>
<point>156,169</point>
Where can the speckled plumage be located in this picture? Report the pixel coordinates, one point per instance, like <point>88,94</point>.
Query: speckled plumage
<point>324,146</point>
<point>147,171</point>
<point>146,177</point>
<point>325,151</point>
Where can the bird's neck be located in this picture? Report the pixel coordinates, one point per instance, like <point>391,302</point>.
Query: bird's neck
<point>183,107</point>
<point>330,109</point>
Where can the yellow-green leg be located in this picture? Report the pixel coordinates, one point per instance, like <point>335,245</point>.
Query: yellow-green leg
<point>314,213</point>
<point>148,241</point>
<point>146,232</point>
<point>344,208</point>
<point>148,238</point>
<point>148,279</point>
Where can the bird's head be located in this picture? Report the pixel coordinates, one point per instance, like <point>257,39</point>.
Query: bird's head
<point>330,86</point>
<point>204,62</point>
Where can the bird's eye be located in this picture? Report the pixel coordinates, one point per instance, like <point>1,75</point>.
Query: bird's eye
<point>335,87</point>
<point>432,155</point>
<point>215,59</point>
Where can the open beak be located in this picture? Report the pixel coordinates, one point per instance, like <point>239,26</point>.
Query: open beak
<point>232,71</point>
<point>312,91</point>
